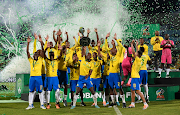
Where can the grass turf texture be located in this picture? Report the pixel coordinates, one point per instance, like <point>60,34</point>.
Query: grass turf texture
<point>11,90</point>
<point>155,108</point>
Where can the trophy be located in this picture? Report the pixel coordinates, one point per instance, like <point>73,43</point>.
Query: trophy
<point>84,41</point>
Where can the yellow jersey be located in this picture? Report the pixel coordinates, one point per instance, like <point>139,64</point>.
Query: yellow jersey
<point>43,64</point>
<point>55,50</point>
<point>96,73</point>
<point>114,64</point>
<point>136,68</point>
<point>62,63</point>
<point>93,49</point>
<point>69,54</point>
<point>51,67</point>
<point>156,45</point>
<point>79,52</point>
<point>85,66</point>
<point>145,48</point>
<point>106,67</point>
<point>36,66</point>
<point>105,50</point>
<point>70,51</point>
<point>75,71</point>
<point>122,55</point>
<point>43,67</point>
<point>119,48</point>
<point>144,58</point>
<point>63,44</point>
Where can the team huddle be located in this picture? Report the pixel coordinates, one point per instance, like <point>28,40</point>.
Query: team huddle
<point>89,66</point>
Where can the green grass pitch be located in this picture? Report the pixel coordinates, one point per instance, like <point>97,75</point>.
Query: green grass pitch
<point>155,108</point>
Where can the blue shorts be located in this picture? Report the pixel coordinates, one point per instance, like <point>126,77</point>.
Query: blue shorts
<point>52,82</point>
<point>135,84</point>
<point>44,79</point>
<point>68,70</point>
<point>35,81</point>
<point>105,81</point>
<point>102,69</point>
<point>143,76</point>
<point>96,83</point>
<point>63,77</point>
<point>83,81</point>
<point>73,84</point>
<point>114,80</point>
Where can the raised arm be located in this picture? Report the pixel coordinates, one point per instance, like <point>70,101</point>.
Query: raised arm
<point>54,36</point>
<point>132,47</point>
<point>137,43</point>
<point>35,36</point>
<point>106,43</point>
<point>119,44</point>
<point>28,41</point>
<point>79,37</point>
<point>76,44</point>
<point>83,51</point>
<point>113,44</point>
<point>45,45</point>
<point>88,31</point>
<point>67,36</point>
<point>59,39</point>
<point>99,53</point>
<point>95,29</point>
<point>61,52</point>
<point>48,46</point>
<point>40,40</point>
<point>34,49</point>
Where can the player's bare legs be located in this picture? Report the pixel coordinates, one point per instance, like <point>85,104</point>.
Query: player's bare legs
<point>78,89</point>
<point>122,96</point>
<point>141,95</point>
<point>65,95</point>
<point>116,96</point>
<point>132,105</point>
<point>94,96</point>
<point>112,97</point>
<point>82,102</point>
<point>72,95</point>
<point>107,95</point>
<point>81,94</point>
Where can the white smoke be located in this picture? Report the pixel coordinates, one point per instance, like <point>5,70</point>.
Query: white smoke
<point>106,15</point>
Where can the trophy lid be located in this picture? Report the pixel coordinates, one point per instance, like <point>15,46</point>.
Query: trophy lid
<point>84,41</point>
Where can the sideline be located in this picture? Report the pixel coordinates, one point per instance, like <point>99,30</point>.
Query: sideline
<point>118,112</point>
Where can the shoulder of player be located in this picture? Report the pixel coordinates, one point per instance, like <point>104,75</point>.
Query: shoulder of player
<point>137,58</point>
<point>153,37</point>
<point>30,58</point>
<point>145,45</point>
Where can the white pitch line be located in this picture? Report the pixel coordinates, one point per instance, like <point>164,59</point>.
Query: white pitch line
<point>118,112</point>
